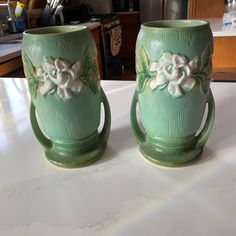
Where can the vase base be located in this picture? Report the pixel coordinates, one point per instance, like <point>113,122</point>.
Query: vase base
<point>169,158</point>
<point>79,159</point>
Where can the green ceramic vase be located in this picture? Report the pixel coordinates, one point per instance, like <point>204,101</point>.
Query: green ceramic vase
<point>173,67</point>
<point>61,66</point>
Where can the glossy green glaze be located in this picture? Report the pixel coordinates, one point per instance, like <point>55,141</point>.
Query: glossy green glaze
<point>60,64</point>
<point>173,66</point>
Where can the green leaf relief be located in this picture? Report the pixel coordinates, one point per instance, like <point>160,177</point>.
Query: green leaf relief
<point>89,81</point>
<point>90,73</point>
<point>141,81</point>
<point>206,59</point>
<point>33,82</point>
<point>142,69</point>
<point>204,82</point>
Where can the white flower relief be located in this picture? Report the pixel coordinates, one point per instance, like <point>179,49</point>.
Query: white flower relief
<point>59,76</point>
<point>175,72</point>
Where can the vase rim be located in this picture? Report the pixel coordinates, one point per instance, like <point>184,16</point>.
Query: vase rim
<point>174,24</point>
<point>54,30</point>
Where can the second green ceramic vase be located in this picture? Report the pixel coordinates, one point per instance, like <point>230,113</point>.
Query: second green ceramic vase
<point>173,67</point>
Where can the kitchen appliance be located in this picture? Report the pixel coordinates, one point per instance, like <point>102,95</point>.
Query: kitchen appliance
<point>162,10</point>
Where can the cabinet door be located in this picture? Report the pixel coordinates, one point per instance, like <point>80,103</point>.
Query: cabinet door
<point>10,66</point>
<point>130,27</point>
<point>224,58</point>
<point>206,9</point>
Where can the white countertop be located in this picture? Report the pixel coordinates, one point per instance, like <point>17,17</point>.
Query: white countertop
<point>121,194</point>
<point>218,29</point>
<point>9,51</point>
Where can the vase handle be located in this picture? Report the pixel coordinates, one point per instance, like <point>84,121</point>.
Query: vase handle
<point>103,136</point>
<point>204,134</point>
<point>140,136</point>
<point>45,142</point>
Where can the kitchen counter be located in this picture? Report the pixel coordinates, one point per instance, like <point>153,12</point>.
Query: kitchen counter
<point>218,29</point>
<point>10,51</point>
<point>121,194</point>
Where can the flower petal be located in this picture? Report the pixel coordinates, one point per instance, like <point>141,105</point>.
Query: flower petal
<point>182,79</point>
<point>166,59</point>
<point>186,70</point>
<point>161,79</point>
<point>48,59</point>
<point>76,85</point>
<point>47,87</point>
<point>76,67</point>
<point>174,90</point>
<point>48,67</point>
<point>179,61</point>
<point>65,94</point>
<point>193,64</point>
<point>189,84</point>
<point>171,74</point>
<point>39,71</point>
<point>160,82</point>
<point>153,84</point>
<point>63,77</point>
<point>154,66</point>
<point>61,64</point>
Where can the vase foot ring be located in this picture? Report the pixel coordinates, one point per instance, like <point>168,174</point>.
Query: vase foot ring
<point>168,158</point>
<point>78,160</point>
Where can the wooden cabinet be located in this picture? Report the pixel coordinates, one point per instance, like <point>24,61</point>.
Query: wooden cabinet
<point>96,34</point>
<point>224,58</point>
<point>130,24</point>
<point>11,65</point>
<point>206,9</point>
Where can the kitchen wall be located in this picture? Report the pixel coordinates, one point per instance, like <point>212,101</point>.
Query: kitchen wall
<point>99,6</point>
